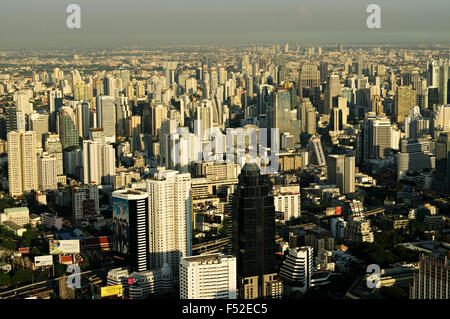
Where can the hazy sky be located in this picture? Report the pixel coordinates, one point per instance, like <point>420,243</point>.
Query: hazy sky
<point>117,23</point>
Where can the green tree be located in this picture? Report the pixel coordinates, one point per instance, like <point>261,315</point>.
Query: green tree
<point>18,277</point>
<point>4,279</point>
<point>9,243</point>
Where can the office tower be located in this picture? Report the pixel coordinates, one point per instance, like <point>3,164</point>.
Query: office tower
<point>83,116</point>
<point>170,219</point>
<point>214,80</point>
<point>85,203</point>
<point>159,114</point>
<point>442,172</point>
<point>68,132</point>
<point>47,172</point>
<point>338,115</point>
<point>332,90</point>
<point>134,132</point>
<point>123,112</point>
<point>106,117</point>
<point>432,73</point>
<point>287,201</point>
<point>191,85</point>
<point>55,102</point>
<point>431,280</point>
<point>22,100</point>
<point>441,120</point>
<point>308,81</point>
<point>443,81</point>
<point>416,126</point>
<point>323,71</point>
<point>297,268</point>
<point>375,138</point>
<point>337,226</point>
<point>265,98</point>
<point>11,120</point>
<point>53,146</point>
<point>253,237</point>
<point>208,277</point>
<point>317,156</point>
<point>131,232</point>
<point>39,124</point>
<point>205,117</point>
<point>99,162</point>
<point>405,98</point>
<point>22,162</point>
<point>358,229</point>
<point>166,136</point>
<point>377,105</point>
<point>341,172</point>
<point>283,117</point>
<point>125,76</point>
<point>414,155</point>
<point>82,92</point>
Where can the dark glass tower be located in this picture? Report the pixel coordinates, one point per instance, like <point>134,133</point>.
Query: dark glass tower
<point>253,225</point>
<point>131,233</point>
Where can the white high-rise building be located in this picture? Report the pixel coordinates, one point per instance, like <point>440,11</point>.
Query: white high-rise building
<point>317,156</point>
<point>23,103</point>
<point>297,268</point>
<point>99,162</point>
<point>106,117</point>
<point>47,172</point>
<point>53,146</point>
<point>204,116</point>
<point>287,200</point>
<point>22,168</point>
<point>208,277</point>
<point>170,221</point>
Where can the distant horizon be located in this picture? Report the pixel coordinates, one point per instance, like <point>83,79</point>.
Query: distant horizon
<point>28,24</point>
<point>324,45</point>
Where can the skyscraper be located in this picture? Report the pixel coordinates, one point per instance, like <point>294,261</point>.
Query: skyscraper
<point>253,237</point>
<point>341,172</point>
<point>22,162</point>
<point>39,124</point>
<point>159,114</point>
<point>68,132</point>
<point>47,172</point>
<point>170,222</point>
<point>131,227</point>
<point>308,81</point>
<point>431,280</point>
<point>83,119</point>
<point>317,156</point>
<point>308,117</point>
<point>283,117</point>
<point>443,162</point>
<point>405,98</point>
<point>99,162</point>
<point>106,117</point>
<point>375,139</point>
<point>332,90</point>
